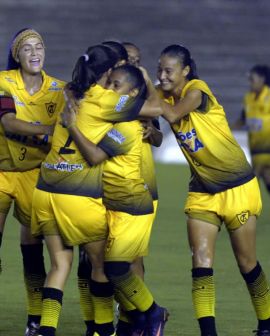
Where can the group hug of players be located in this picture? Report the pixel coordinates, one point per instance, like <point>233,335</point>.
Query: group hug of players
<point>76,162</point>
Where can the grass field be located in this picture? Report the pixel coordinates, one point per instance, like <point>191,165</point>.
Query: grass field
<point>168,271</point>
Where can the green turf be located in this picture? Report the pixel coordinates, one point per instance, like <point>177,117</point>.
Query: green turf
<point>168,271</point>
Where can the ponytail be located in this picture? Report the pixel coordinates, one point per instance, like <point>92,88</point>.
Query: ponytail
<point>90,67</point>
<point>184,57</point>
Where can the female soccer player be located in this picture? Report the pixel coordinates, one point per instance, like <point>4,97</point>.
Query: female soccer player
<point>25,141</point>
<point>222,186</point>
<point>134,53</point>
<point>66,178</point>
<point>129,205</point>
<point>256,117</point>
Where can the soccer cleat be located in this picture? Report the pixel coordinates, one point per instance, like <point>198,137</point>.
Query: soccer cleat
<point>32,330</point>
<point>262,332</point>
<point>157,321</point>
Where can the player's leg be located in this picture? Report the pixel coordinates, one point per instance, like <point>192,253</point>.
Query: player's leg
<point>7,190</point>
<point>243,242</point>
<point>61,262</point>
<point>202,238</point>
<point>34,276</point>
<point>128,238</point>
<point>101,289</point>
<point>86,303</point>
<point>31,248</point>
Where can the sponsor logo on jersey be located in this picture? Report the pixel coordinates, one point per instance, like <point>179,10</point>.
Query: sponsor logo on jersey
<point>10,80</point>
<point>121,103</point>
<point>17,101</point>
<point>116,136</point>
<point>63,166</point>
<point>189,141</point>
<point>243,217</point>
<point>55,87</point>
<point>50,107</point>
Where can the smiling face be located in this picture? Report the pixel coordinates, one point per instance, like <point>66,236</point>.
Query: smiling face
<point>171,74</point>
<point>118,82</point>
<point>31,56</point>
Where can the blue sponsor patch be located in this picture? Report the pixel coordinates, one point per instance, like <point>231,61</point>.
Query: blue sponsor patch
<point>121,103</point>
<point>116,136</point>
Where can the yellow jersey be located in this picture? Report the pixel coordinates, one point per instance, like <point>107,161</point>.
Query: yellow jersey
<point>216,160</point>
<point>27,152</point>
<point>257,118</point>
<point>65,170</point>
<point>124,187</point>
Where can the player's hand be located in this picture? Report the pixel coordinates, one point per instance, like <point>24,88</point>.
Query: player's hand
<point>148,129</point>
<point>70,99</point>
<point>145,75</point>
<point>68,117</point>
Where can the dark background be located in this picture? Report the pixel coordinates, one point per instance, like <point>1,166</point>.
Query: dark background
<point>226,37</point>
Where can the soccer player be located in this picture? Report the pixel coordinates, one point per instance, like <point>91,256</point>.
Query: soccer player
<point>129,204</point>
<point>120,51</point>
<point>256,118</point>
<point>24,139</point>
<point>134,53</point>
<point>222,189</point>
<point>67,178</point>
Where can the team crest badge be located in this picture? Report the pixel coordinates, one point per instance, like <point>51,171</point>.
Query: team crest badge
<point>50,107</point>
<point>243,217</point>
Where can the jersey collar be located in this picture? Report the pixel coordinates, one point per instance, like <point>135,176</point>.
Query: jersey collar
<point>44,86</point>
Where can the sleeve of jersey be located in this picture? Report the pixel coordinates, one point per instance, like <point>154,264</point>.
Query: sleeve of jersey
<point>117,141</point>
<point>6,105</point>
<point>121,108</point>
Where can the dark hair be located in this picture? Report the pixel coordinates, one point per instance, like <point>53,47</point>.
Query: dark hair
<point>130,44</point>
<point>135,77</point>
<point>118,48</point>
<point>11,63</point>
<point>262,71</point>
<point>90,67</point>
<point>184,57</point>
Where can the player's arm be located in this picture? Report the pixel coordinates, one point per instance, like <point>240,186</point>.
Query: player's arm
<point>14,125</point>
<point>152,132</point>
<point>91,153</point>
<point>191,102</point>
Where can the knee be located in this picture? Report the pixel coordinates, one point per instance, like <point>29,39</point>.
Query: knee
<point>116,268</point>
<point>202,257</point>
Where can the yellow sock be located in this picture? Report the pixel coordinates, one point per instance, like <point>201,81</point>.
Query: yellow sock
<point>203,292</point>
<point>102,296</point>
<point>134,290</point>
<point>259,292</point>
<point>51,308</point>
<point>86,302</point>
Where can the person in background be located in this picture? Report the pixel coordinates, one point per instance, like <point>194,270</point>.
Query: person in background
<point>255,118</point>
